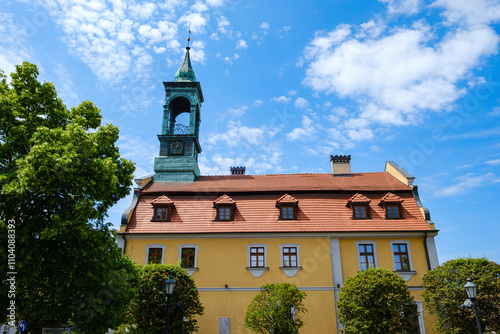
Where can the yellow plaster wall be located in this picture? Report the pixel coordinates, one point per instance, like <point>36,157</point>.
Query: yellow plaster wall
<point>221,255</point>
<point>228,257</point>
<point>320,317</point>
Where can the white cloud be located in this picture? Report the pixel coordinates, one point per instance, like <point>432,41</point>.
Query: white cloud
<point>281,99</point>
<point>257,103</point>
<point>495,162</point>
<point>283,31</point>
<point>239,111</point>
<point>306,131</point>
<point>402,6</point>
<point>467,182</point>
<point>301,103</point>
<point>238,135</point>
<point>241,44</point>
<point>216,3</point>
<point>265,25</point>
<point>292,92</point>
<point>494,112</point>
<point>196,22</point>
<point>394,76</point>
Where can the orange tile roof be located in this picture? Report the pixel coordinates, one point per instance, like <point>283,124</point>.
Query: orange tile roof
<point>391,198</point>
<point>287,199</point>
<point>358,198</point>
<point>224,199</point>
<point>322,204</point>
<point>358,182</point>
<point>162,200</point>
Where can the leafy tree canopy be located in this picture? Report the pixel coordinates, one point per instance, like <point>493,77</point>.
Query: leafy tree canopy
<point>376,301</point>
<point>444,293</point>
<point>276,309</point>
<point>60,172</point>
<point>148,307</point>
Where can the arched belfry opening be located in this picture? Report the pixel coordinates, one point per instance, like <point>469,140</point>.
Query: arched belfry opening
<point>179,144</point>
<point>180,116</point>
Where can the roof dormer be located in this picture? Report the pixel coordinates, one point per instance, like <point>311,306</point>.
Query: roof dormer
<point>392,206</point>
<point>359,205</point>
<point>288,207</point>
<point>162,207</point>
<point>224,206</point>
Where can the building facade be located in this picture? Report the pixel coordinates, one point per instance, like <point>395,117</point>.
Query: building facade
<point>237,232</point>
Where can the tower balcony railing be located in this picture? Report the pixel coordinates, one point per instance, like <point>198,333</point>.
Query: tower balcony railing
<point>178,129</point>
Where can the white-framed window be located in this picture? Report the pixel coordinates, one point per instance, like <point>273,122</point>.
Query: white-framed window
<point>155,254</point>
<point>290,259</point>
<point>367,254</point>
<point>401,258</point>
<point>188,257</point>
<point>421,323</point>
<point>257,259</point>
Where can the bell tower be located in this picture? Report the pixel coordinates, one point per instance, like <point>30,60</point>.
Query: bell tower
<point>179,144</point>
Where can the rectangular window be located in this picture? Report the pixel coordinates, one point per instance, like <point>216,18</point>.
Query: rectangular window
<point>289,256</point>
<point>187,257</point>
<point>256,256</point>
<point>161,214</point>
<point>154,255</point>
<point>359,212</point>
<point>401,257</point>
<point>367,257</point>
<point>287,212</point>
<point>392,211</point>
<point>224,213</point>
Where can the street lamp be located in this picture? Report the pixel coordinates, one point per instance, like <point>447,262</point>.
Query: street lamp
<point>169,289</point>
<point>471,290</point>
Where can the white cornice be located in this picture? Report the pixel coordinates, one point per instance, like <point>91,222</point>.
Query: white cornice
<point>278,235</point>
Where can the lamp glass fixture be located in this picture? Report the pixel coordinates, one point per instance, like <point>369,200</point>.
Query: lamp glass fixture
<point>170,285</point>
<point>471,289</point>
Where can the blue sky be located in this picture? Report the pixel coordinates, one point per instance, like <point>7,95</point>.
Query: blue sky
<point>287,83</point>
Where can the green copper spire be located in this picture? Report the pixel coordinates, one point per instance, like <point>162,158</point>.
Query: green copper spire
<point>185,72</point>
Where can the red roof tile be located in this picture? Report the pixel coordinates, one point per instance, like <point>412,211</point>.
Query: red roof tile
<point>162,200</point>
<point>257,213</point>
<point>287,199</point>
<point>391,198</point>
<point>358,182</point>
<point>358,198</point>
<point>224,199</point>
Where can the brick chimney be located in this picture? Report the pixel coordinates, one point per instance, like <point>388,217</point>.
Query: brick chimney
<point>341,165</point>
<point>238,170</point>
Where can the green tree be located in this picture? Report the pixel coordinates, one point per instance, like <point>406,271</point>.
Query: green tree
<point>376,301</point>
<point>148,307</point>
<point>444,293</point>
<point>276,309</point>
<point>60,172</point>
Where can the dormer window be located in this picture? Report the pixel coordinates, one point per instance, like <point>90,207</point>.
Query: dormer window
<point>392,206</point>
<point>392,211</point>
<point>288,207</point>
<point>287,212</point>
<point>359,205</point>
<point>162,207</point>
<point>224,213</point>
<point>224,206</point>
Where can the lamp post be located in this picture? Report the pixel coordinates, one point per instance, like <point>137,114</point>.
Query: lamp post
<point>169,289</point>
<point>471,290</point>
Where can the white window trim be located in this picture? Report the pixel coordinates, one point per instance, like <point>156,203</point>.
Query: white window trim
<point>405,274</point>
<point>290,271</point>
<point>374,245</point>
<point>257,271</point>
<point>163,247</point>
<point>189,270</point>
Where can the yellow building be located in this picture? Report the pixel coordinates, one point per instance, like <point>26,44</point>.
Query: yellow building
<point>238,232</point>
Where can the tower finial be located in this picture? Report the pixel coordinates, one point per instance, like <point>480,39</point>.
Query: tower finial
<point>189,38</point>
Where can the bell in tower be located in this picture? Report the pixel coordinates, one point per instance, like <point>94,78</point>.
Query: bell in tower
<point>179,144</point>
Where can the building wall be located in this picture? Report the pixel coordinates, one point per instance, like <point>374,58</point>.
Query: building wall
<point>222,261</point>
